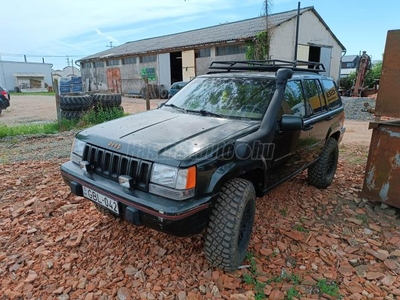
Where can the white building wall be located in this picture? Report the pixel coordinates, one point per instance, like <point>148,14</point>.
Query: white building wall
<point>9,68</point>
<point>312,32</point>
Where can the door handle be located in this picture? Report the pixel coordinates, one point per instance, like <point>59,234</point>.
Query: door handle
<point>308,127</point>
<point>329,118</point>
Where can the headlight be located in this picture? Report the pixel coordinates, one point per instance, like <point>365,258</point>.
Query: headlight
<point>172,182</point>
<point>78,147</point>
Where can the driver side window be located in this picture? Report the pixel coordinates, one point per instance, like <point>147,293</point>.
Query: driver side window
<point>294,99</point>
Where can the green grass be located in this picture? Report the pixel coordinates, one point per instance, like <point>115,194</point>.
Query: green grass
<point>292,293</point>
<point>89,119</point>
<point>329,288</point>
<point>300,228</point>
<point>47,128</point>
<point>101,115</point>
<point>32,94</point>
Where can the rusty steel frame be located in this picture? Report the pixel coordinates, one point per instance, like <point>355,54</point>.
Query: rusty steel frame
<point>388,99</point>
<point>382,174</point>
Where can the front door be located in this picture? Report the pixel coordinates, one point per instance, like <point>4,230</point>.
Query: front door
<point>114,80</point>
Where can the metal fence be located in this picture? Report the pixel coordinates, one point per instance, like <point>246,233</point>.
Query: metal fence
<point>41,108</point>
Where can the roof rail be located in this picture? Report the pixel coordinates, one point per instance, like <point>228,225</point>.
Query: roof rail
<point>270,65</point>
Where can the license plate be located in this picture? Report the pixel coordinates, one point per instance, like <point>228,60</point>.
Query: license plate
<point>101,199</point>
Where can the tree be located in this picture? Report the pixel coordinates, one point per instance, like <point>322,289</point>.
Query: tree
<point>258,48</point>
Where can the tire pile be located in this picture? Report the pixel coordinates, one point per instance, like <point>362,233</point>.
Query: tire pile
<point>73,106</point>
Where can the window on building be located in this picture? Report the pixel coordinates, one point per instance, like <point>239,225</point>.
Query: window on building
<point>148,58</point>
<point>206,52</point>
<point>129,61</point>
<point>112,62</point>
<point>98,64</point>
<point>229,50</point>
<point>349,65</point>
<point>86,65</point>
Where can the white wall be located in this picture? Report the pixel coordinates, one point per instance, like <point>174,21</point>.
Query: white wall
<point>312,32</point>
<point>9,68</point>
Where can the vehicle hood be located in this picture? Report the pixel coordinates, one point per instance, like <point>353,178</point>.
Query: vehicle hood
<point>166,136</point>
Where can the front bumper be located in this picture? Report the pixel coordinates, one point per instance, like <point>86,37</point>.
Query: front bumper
<point>179,218</point>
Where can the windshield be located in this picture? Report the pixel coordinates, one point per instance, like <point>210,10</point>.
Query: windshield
<point>240,97</point>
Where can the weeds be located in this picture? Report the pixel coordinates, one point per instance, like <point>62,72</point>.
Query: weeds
<point>292,293</point>
<point>329,288</point>
<point>252,278</point>
<point>91,118</point>
<point>300,228</point>
<point>101,115</point>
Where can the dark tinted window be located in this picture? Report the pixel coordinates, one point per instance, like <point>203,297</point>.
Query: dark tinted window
<point>331,94</point>
<point>313,91</point>
<point>294,99</point>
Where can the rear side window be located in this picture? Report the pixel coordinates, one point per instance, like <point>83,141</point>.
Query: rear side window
<point>331,94</point>
<point>314,95</point>
<point>294,99</point>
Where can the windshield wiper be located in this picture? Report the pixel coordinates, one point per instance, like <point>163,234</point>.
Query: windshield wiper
<point>205,112</point>
<point>176,107</point>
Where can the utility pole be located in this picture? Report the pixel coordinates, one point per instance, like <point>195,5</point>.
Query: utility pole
<point>67,60</point>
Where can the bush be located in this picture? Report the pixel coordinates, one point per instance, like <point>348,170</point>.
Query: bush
<point>100,115</point>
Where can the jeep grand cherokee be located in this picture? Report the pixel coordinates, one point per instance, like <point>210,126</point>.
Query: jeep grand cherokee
<point>200,160</point>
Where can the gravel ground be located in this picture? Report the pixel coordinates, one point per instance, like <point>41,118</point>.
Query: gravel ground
<point>54,245</point>
<point>355,110</point>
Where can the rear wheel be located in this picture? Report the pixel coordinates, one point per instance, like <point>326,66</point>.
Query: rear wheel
<point>231,223</point>
<point>322,172</point>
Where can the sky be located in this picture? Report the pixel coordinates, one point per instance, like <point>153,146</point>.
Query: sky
<point>61,31</point>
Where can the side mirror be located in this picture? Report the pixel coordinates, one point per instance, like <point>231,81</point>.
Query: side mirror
<point>291,123</point>
<point>160,105</point>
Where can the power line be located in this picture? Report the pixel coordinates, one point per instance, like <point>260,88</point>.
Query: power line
<point>40,55</point>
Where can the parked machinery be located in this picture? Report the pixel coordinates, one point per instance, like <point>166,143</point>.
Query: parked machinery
<point>364,65</point>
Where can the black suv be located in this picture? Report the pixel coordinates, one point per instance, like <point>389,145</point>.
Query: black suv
<point>4,99</point>
<point>201,159</point>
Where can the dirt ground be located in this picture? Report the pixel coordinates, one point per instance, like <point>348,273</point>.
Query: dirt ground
<point>34,109</point>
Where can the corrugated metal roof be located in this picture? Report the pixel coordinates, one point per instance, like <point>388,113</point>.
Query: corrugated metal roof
<point>349,58</point>
<point>240,30</point>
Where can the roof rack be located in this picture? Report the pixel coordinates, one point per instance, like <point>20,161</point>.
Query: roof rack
<point>270,65</point>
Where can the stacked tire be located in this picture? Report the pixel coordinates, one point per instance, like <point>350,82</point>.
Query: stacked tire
<point>106,101</point>
<point>74,106</point>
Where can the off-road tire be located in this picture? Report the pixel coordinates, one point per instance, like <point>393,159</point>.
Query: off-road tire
<point>322,172</point>
<point>164,94</point>
<point>75,102</point>
<point>107,100</point>
<point>71,114</point>
<point>230,226</point>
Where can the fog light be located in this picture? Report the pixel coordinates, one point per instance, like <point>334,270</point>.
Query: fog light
<point>85,166</point>
<point>125,181</point>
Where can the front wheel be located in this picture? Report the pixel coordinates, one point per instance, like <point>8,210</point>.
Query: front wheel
<point>322,172</point>
<point>231,223</point>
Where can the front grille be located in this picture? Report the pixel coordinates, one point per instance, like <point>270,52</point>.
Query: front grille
<point>110,165</point>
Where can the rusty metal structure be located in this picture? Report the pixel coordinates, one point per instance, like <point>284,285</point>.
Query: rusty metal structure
<point>363,66</point>
<point>382,175</point>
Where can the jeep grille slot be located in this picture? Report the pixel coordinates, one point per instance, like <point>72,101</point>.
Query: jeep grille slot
<point>109,164</point>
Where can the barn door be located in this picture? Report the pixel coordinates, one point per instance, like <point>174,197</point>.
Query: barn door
<point>164,70</point>
<point>303,53</point>
<point>326,58</point>
<point>114,80</point>
<point>188,65</point>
